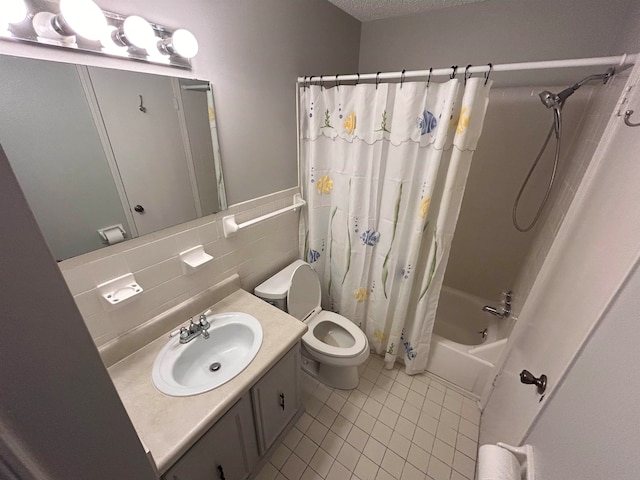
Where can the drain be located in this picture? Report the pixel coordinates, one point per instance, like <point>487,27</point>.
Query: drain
<point>214,367</point>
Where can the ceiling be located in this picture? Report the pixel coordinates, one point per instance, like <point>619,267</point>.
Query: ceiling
<point>366,10</point>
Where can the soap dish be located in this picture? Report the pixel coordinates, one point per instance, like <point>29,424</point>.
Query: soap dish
<point>193,259</point>
<point>119,290</point>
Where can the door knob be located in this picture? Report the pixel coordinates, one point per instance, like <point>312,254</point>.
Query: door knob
<point>139,208</point>
<point>527,377</point>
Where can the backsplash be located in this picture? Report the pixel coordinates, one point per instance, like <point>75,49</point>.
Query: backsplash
<point>254,254</point>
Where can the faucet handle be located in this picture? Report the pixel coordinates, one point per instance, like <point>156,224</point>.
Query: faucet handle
<point>183,332</point>
<point>203,322</point>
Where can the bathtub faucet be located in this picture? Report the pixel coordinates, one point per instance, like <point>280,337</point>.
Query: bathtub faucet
<point>505,306</point>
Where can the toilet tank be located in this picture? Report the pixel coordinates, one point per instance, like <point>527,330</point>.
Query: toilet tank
<point>274,289</point>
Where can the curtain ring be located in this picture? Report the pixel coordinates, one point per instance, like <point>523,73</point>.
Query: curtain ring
<point>454,69</point>
<point>338,82</point>
<point>358,80</point>
<point>429,78</point>
<point>466,75</point>
<point>378,79</point>
<point>321,82</point>
<point>304,83</point>
<point>402,78</point>
<point>487,74</point>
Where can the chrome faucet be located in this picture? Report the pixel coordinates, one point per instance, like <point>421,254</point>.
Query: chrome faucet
<point>504,310</point>
<point>194,329</point>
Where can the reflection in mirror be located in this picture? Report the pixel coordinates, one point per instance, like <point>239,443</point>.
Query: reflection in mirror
<point>99,152</point>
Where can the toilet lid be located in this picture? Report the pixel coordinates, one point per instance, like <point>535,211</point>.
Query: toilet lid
<point>304,293</point>
<point>311,340</point>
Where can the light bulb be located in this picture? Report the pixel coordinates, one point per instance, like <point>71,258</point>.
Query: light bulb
<point>84,17</point>
<point>12,11</point>
<point>139,33</point>
<point>184,43</point>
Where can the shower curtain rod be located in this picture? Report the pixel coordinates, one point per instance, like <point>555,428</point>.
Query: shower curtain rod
<point>618,60</point>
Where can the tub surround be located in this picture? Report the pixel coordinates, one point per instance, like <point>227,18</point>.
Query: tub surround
<point>169,426</point>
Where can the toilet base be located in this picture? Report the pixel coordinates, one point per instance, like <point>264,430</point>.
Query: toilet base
<point>344,378</point>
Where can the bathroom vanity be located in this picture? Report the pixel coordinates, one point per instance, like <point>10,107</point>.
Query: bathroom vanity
<point>224,433</point>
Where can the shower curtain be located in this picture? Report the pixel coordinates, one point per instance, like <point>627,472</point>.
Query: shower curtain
<point>383,171</point>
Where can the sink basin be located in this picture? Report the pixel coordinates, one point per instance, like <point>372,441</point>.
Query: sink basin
<point>203,364</point>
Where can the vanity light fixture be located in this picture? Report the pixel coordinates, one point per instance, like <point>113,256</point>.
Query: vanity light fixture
<point>76,17</point>
<point>82,25</point>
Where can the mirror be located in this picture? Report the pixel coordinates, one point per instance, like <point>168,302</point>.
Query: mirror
<point>107,155</point>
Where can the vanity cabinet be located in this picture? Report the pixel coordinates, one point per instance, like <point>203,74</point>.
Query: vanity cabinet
<point>233,446</point>
<point>276,399</point>
<point>228,451</point>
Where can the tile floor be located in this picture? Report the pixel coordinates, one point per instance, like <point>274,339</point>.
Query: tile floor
<point>393,426</point>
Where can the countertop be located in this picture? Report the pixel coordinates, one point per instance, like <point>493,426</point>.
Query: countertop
<point>169,426</point>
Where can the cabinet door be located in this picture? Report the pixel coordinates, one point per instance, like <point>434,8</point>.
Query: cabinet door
<point>226,452</point>
<point>276,398</point>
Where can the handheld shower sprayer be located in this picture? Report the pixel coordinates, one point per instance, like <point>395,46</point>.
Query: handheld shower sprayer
<point>556,102</point>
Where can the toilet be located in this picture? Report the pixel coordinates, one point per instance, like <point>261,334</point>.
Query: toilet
<point>334,346</point>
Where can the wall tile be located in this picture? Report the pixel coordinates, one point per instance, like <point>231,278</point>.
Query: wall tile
<point>254,253</point>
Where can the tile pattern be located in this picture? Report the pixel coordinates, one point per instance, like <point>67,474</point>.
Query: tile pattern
<point>254,254</point>
<point>392,427</point>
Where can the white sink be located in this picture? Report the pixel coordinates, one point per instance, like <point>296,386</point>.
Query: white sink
<point>203,364</point>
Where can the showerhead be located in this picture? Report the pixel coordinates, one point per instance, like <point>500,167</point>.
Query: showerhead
<point>556,100</point>
<point>549,99</point>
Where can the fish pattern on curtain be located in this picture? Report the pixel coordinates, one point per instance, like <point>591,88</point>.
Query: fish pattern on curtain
<point>383,172</point>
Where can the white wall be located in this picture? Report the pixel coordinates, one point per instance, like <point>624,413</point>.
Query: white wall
<point>574,164</point>
<point>488,255</point>
<point>252,51</point>
<point>595,248</point>
<point>59,411</point>
<point>499,31</point>
<point>589,430</point>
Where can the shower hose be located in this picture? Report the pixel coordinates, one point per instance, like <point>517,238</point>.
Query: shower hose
<point>557,126</point>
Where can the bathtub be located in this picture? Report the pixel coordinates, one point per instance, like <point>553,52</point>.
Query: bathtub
<point>459,353</point>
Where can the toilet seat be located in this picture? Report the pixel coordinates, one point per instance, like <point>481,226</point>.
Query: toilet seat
<point>311,341</point>
<point>303,302</point>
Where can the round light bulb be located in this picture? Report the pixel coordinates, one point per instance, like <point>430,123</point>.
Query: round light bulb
<point>184,43</point>
<point>139,32</point>
<point>12,11</point>
<point>84,17</point>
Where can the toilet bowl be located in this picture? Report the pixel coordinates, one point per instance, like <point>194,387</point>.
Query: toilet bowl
<point>332,340</point>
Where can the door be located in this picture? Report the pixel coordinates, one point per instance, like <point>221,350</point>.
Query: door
<point>593,252</point>
<point>227,452</point>
<point>156,177</point>
<point>276,398</point>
